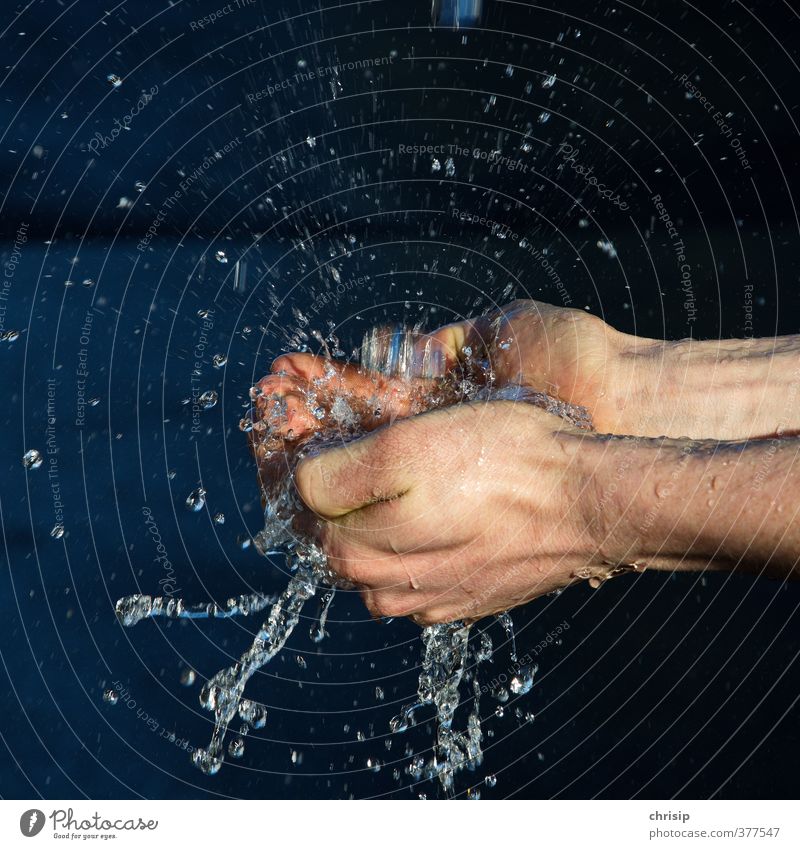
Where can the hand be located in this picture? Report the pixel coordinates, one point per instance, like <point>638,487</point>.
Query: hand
<point>479,507</point>
<point>296,401</point>
<point>566,353</point>
<point>457,513</point>
<point>306,394</point>
<point>715,389</point>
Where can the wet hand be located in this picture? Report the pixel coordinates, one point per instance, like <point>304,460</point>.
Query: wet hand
<point>566,353</point>
<point>457,513</point>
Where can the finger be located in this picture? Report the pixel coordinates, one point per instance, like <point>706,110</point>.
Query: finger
<point>284,410</point>
<point>388,604</point>
<point>376,399</point>
<point>305,366</point>
<point>459,340</point>
<point>334,374</point>
<point>372,469</point>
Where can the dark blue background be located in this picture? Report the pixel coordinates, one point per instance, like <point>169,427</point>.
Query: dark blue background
<point>662,686</point>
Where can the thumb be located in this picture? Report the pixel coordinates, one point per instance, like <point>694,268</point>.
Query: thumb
<point>368,470</point>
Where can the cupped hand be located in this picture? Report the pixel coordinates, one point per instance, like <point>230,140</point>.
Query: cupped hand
<point>305,395</point>
<point>456,513</point>
<point>567,353</point>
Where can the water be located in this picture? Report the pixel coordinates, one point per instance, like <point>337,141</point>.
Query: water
<point>134,608</point>
<point>32,459</point>
<point>450,658</point>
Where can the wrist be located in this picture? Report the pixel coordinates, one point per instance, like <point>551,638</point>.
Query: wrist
<point>643,513</point>
<point>730,389</point>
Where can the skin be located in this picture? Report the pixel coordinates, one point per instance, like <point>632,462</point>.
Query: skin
<point>472,509</point>
<point>716,389</point>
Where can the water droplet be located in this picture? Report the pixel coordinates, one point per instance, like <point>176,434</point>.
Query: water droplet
<point>196,500</point>
<point>219,518</point>
<point>499,693</point>
<point>435,166</point>
<point>32,459</point>
<point>607,248</point>
<point>219,360</point>
<point>484,651</point>
<point>490,780</point>
<point>549,81</point>
<point>140,186</point>
<point>243,541</point>
<point>401,722</point>
<point>88,282</point>
<point>208,399</point>
<point>133,609</point>
<point>115,80</point>
<point>522,681</point>
<point>220,256</point>
<point>236,748</point>
<point>57,532</point>
<point>188,677</point>
<point>111,697</point>
<point>662,489</point>
<point>379,694</point>
<point>450,167</point>
<point>416,767</point>
<point>206,762</point>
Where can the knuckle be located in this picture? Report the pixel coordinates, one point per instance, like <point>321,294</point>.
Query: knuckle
<point>306,478</point>
<point>345,562</point>
<point>379,604</point>
<point>426,618</point>
<point>375,465</point>
<point>287,364</point>
<point>353,571</point>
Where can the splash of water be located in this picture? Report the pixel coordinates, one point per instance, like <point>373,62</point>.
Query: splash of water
<point>450,659</point>
<point>133,608</point>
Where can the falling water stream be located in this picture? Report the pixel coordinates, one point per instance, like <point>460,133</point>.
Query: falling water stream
<point>450,657</point>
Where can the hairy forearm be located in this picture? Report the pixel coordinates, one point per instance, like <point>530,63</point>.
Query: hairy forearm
<point>703,504</point>
<point>730,389</point>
